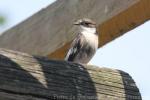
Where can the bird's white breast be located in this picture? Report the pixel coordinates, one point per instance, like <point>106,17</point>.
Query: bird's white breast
<point>90,36</point>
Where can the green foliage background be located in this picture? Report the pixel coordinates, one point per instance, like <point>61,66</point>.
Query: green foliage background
<point>2,20</point>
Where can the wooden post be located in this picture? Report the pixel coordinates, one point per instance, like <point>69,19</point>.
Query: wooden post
<point>26,77</point>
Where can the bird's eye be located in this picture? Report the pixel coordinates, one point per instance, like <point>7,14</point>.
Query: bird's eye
<point>85,24</point>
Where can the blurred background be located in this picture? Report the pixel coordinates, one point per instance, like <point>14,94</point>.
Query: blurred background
<point>130,53</point>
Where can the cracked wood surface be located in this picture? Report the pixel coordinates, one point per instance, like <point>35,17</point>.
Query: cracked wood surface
<point>26,77</point>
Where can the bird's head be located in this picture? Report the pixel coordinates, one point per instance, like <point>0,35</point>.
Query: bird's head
<point>86,25</point>
<point>85,22</point>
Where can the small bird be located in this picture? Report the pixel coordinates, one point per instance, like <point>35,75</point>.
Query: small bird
<point>85,44</point>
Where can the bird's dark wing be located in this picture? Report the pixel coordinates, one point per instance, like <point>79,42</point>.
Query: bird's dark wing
<point>75,48</point>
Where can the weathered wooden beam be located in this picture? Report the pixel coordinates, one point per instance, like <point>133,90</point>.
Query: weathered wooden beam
<point>26,77</point>
<point>49,32</point>
<point>116,25</point>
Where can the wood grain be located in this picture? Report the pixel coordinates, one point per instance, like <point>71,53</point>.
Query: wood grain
<point>26,77</point>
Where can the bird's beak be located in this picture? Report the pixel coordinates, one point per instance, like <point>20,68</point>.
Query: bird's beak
<point>76,23</point>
